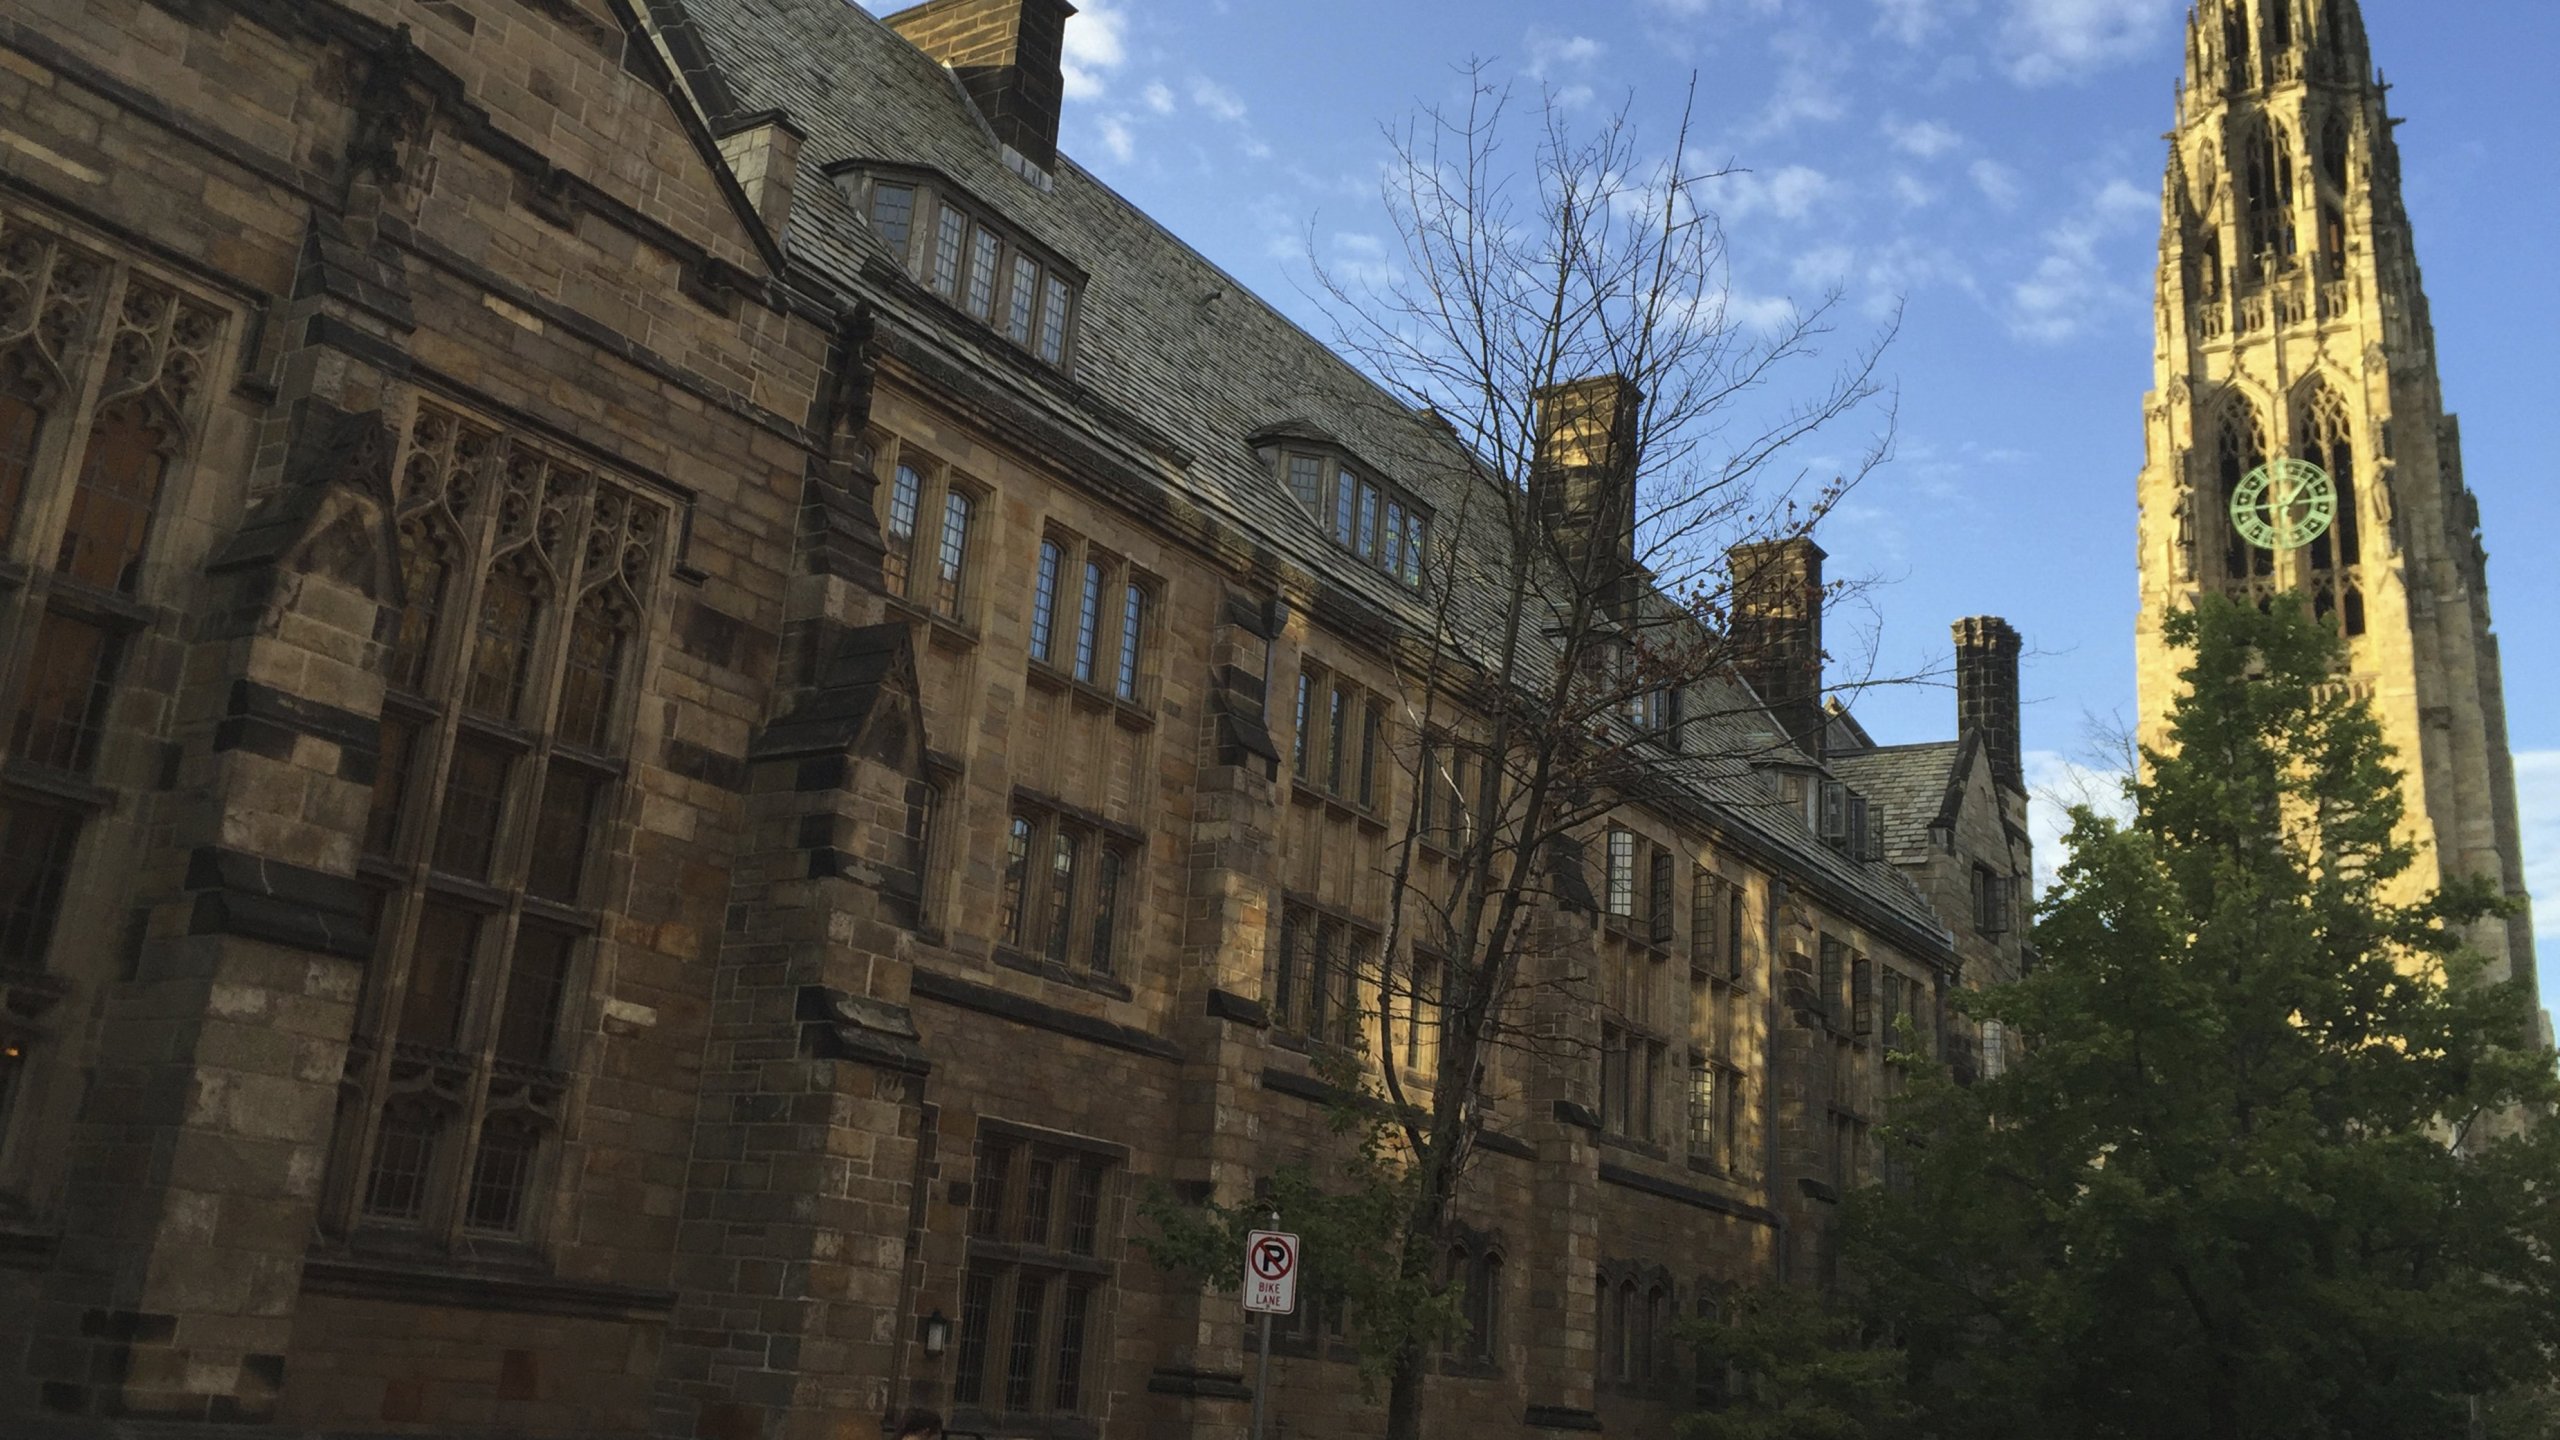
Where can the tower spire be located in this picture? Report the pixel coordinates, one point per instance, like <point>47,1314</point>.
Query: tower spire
<point>2293,326</point>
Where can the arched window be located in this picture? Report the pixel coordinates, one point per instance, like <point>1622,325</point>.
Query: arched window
<point>2235,41</point>
<point>2242,447</point>
<point>591,683</point>
<point>426,570</point>
<point>2327,441</point>
<point>2267,227</point>
<point>24,391</point>
<point>111,507</point>
<point>1633,1342</point>
<point>510,619</point>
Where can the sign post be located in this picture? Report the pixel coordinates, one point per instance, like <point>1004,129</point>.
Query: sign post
<point>1270,1288</point>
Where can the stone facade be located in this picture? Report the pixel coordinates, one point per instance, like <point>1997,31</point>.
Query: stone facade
<point>631,810</point>
<point>2292,323</point>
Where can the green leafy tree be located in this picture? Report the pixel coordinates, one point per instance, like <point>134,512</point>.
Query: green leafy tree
<point>2261,1172</point>
<point>1790,1365</point>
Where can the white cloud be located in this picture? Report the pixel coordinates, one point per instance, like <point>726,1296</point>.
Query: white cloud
<point>1117,139</point>
<point>1913,21</point>
<point>1158,97</point>
<point>1361,260</point>
<point>1097,43</point>
<point>1550,52</point>
<point>1823,266</point>
<point>1997,182</point>
<point>2046,41</point>
<point>1913,192</point>
<point>1925,138</point>
<point>1217,99</point>
<point>2055,783</point>
<point>1789,193</point>
<point>1812,74</point>
<point>2070,285</point>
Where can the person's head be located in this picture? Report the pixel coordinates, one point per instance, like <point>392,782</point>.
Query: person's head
<point>920,1425</point>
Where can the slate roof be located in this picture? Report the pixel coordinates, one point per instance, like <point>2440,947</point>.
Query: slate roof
<point>1918,785</point>
<point>1169,347</point>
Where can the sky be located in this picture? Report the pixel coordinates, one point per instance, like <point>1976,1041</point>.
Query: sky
<point>1993,167</point>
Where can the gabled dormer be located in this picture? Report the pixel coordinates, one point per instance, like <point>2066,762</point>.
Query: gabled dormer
<point>955,245</point>
<point>1363,512</point>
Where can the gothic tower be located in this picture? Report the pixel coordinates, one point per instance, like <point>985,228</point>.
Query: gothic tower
<point>2292,324</point>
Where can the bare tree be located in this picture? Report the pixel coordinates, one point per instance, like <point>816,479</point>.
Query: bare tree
<point>1629,482</point>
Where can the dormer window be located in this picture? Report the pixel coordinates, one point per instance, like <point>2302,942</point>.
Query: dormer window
<point>990,273</point>
<point>1366,516</point>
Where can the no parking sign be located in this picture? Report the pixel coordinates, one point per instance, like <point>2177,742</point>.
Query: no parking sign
<point>1271,1272</point>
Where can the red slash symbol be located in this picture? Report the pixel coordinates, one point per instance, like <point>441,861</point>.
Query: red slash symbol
<point>1272,1260</point>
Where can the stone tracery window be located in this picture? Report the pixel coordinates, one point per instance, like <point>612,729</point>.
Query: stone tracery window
<point>2327,440</point>
<point>505,729</point>
<point>2240,446</point>
<point>89,446</point>
<point>2267,198</point>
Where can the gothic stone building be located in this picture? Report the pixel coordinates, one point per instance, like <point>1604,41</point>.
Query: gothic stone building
<point>675,705</point>
<point>2292,324</point>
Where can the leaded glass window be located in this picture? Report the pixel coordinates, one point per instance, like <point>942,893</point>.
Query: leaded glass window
<point>503,747</point>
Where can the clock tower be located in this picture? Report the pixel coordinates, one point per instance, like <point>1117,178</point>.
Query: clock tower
<point>2293,328</point>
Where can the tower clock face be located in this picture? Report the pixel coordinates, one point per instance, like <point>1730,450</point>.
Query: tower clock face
<point>2284,505</point>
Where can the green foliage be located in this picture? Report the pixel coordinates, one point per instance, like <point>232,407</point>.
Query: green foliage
<point>1796,1368</point>
<point>2261,1172</point>
<point>1350,1212</point>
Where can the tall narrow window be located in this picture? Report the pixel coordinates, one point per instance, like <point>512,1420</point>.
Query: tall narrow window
<point>1367,542</point>
<point>1133,625</point>
<point>426,572</point>
<point>1022,300</point>
<point>1658,911</point>
<point>1346,510</point>
<point>951,238</point>
<point>592,680</point>
<point>22,388</point>
<point>982,273</point>
<point>1017,876</point>
<point>112,505</point>
<point>70,678</point>
<point>1103,954</point>
<point>1062,895</point>
<point>1337,735</point>
<point>2242,449</point>
<point>1044,603</point>
<point>511,603</point>
<point>1622,874</point>
<point>1053,320</point>
<point>1302,748</point>
<point>906,497</point>
<point>36,842</point>
<point>1089,620</point>
<point>1371,723</point>
<point>952,554</point>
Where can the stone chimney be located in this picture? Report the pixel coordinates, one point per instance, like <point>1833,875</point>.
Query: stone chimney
<point>1007,54</point>
<point>763,151</point>
<point>1583,481</point>
<point>1987,693</point>
<point>1777,631</point>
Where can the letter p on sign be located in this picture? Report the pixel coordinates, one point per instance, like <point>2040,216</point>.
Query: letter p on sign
<point>1271,1272</point>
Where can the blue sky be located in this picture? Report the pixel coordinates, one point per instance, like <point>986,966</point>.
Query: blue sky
<point>1992,164</point>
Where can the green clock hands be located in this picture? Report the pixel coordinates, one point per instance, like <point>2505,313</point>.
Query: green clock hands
<point>2284,505</point>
